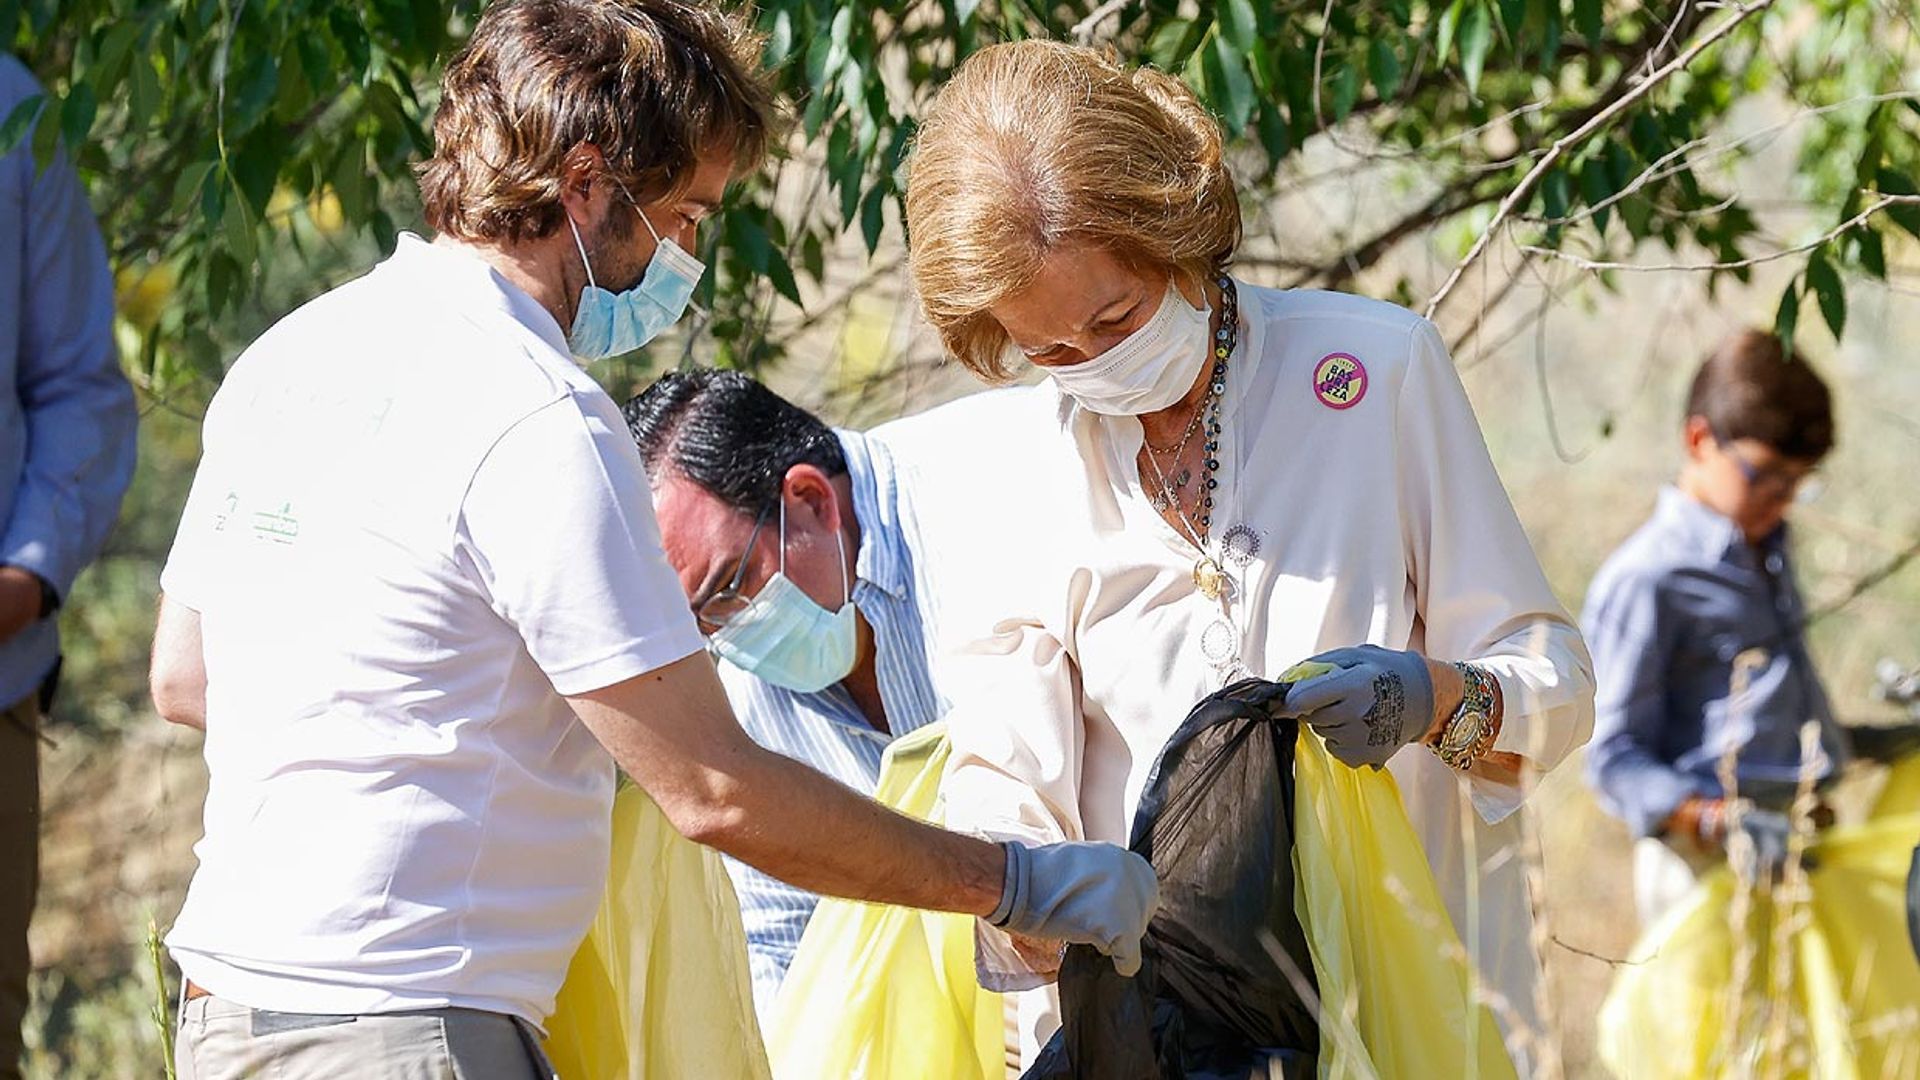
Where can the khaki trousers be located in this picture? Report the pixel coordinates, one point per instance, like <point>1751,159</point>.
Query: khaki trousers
<point>19,868</point>
<point>224,1040</point>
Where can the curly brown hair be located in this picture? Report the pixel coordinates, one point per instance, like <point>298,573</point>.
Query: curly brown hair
<point>655,85</point>
<point>1035,146</point>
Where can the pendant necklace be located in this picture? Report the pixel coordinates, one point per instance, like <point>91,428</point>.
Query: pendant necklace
<point>1208,575</point>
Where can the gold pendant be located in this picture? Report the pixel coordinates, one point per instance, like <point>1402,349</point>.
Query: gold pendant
<point>1209,578</point>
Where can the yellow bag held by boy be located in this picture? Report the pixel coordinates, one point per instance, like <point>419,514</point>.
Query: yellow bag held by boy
<point>659,989</point>
<point>888,993</point>
<point>1705,993</point>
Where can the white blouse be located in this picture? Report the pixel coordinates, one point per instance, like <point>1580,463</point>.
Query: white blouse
<point>1074,639</point>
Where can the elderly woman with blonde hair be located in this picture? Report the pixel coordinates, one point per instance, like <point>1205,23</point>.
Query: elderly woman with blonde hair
<point>1216,480</point>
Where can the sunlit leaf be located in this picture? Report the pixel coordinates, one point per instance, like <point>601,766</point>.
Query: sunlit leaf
<point>1787,318</point>
<point>1476,35</point>
<point>1829,292</point>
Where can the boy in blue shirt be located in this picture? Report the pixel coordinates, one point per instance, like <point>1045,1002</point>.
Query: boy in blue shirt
<point>1697,631</point>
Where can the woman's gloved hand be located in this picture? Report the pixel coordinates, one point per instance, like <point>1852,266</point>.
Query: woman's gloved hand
<point>1372,702</point>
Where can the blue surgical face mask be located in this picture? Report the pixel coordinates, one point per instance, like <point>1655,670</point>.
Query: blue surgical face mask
<point>782,636</point>
<point>609,324</point>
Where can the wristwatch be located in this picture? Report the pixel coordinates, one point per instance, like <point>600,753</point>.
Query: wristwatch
<point>1470,731</point>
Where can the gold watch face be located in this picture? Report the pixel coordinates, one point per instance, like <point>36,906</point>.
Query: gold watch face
<point>1464,731</point>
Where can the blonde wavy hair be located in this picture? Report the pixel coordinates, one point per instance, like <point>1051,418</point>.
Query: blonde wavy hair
<point>656,85</point>
<point>1035,146</point>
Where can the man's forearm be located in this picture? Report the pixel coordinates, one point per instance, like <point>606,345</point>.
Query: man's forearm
<point>807,830</point>
<point>672,730</point>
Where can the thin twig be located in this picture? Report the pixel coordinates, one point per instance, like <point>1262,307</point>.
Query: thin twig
<point>1828,237</point>
<point>1659,169</point>
<point>1082,31</point>
<point>1610,961</point>
<point>1599,120</point>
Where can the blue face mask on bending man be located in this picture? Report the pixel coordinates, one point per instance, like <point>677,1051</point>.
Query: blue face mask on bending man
<point>609,324</point>
<point>782,636</point>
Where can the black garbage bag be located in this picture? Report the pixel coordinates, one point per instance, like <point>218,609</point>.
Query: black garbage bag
<point>1913,902</point>
<point>1216,995</point>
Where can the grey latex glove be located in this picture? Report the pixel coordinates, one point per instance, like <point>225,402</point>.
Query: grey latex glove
<point>1769,831</point>
<point>1090,894</point>
<point>1374,702</point>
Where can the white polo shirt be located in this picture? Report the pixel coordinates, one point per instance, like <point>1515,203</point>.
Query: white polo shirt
<point>415,526</point>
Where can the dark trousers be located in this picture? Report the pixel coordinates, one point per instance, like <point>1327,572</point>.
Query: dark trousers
<point>19,868</point>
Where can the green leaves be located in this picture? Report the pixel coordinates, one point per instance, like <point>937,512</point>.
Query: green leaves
<point>1238,25</point>
<point>1787,318</point>
<point>1905,215</point>
<point>225,139</point>
<point>1830,293</point>
<point>19,121</point>
<point>1228,84</point>
<point>1476,34</point>
<point>1383,67</point>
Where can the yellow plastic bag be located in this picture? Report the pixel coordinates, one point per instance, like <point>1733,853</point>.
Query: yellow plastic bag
<point>1842,1003</point>
<point>1392,974</point>
<point>659,989</point>
<point>1900,792</point>
<point>887,993</point>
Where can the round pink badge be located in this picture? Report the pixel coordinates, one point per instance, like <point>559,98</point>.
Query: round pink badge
<point>1339,380</point>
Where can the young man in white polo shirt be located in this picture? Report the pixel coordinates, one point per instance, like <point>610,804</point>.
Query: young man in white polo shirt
<point>419,604</point>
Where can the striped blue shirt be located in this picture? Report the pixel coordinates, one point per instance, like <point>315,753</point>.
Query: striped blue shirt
<point>827,729</point>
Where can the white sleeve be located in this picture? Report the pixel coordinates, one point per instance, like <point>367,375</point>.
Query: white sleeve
<point>1481,594</point>
<point>557,530</point>
<point>1014,774</point>
<point>193,563</point>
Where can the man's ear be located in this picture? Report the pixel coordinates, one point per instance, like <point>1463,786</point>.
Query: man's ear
<point>1697,437</point>
<point>809,489</point>
<point>581,171</point>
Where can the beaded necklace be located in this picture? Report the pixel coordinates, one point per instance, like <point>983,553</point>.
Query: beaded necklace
<point>1208,575</point>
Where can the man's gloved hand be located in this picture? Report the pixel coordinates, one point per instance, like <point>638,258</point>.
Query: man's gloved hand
<point>1090,894</point>
<point>1766,831</point>
<point>1374,702</point>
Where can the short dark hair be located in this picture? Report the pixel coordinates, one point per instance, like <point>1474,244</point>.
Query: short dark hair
<point>654,84</point>
<point>729,434</point>
<point>1751,387</point>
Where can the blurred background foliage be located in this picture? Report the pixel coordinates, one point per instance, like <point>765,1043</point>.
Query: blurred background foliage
<point>237,149</point>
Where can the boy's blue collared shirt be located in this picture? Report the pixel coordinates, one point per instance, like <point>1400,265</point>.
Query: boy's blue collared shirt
<point>827,729</point>
<point>1699,651</point>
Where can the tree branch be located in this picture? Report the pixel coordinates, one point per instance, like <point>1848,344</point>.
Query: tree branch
<point>1599,121</point>
<point>1828,237</point>
<point>1082,31</point>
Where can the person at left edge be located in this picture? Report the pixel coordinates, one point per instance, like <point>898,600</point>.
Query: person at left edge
<point>797,551</point>
<point>66,456</point>
<point>418,602</point>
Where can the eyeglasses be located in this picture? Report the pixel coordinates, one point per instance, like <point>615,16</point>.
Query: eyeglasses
<point>1788,481</point>
<point>728,602</point>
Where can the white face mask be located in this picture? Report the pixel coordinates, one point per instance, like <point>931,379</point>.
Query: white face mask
<point>1150,369</point>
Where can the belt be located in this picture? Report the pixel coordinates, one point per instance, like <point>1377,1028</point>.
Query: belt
<point>195,991</point>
